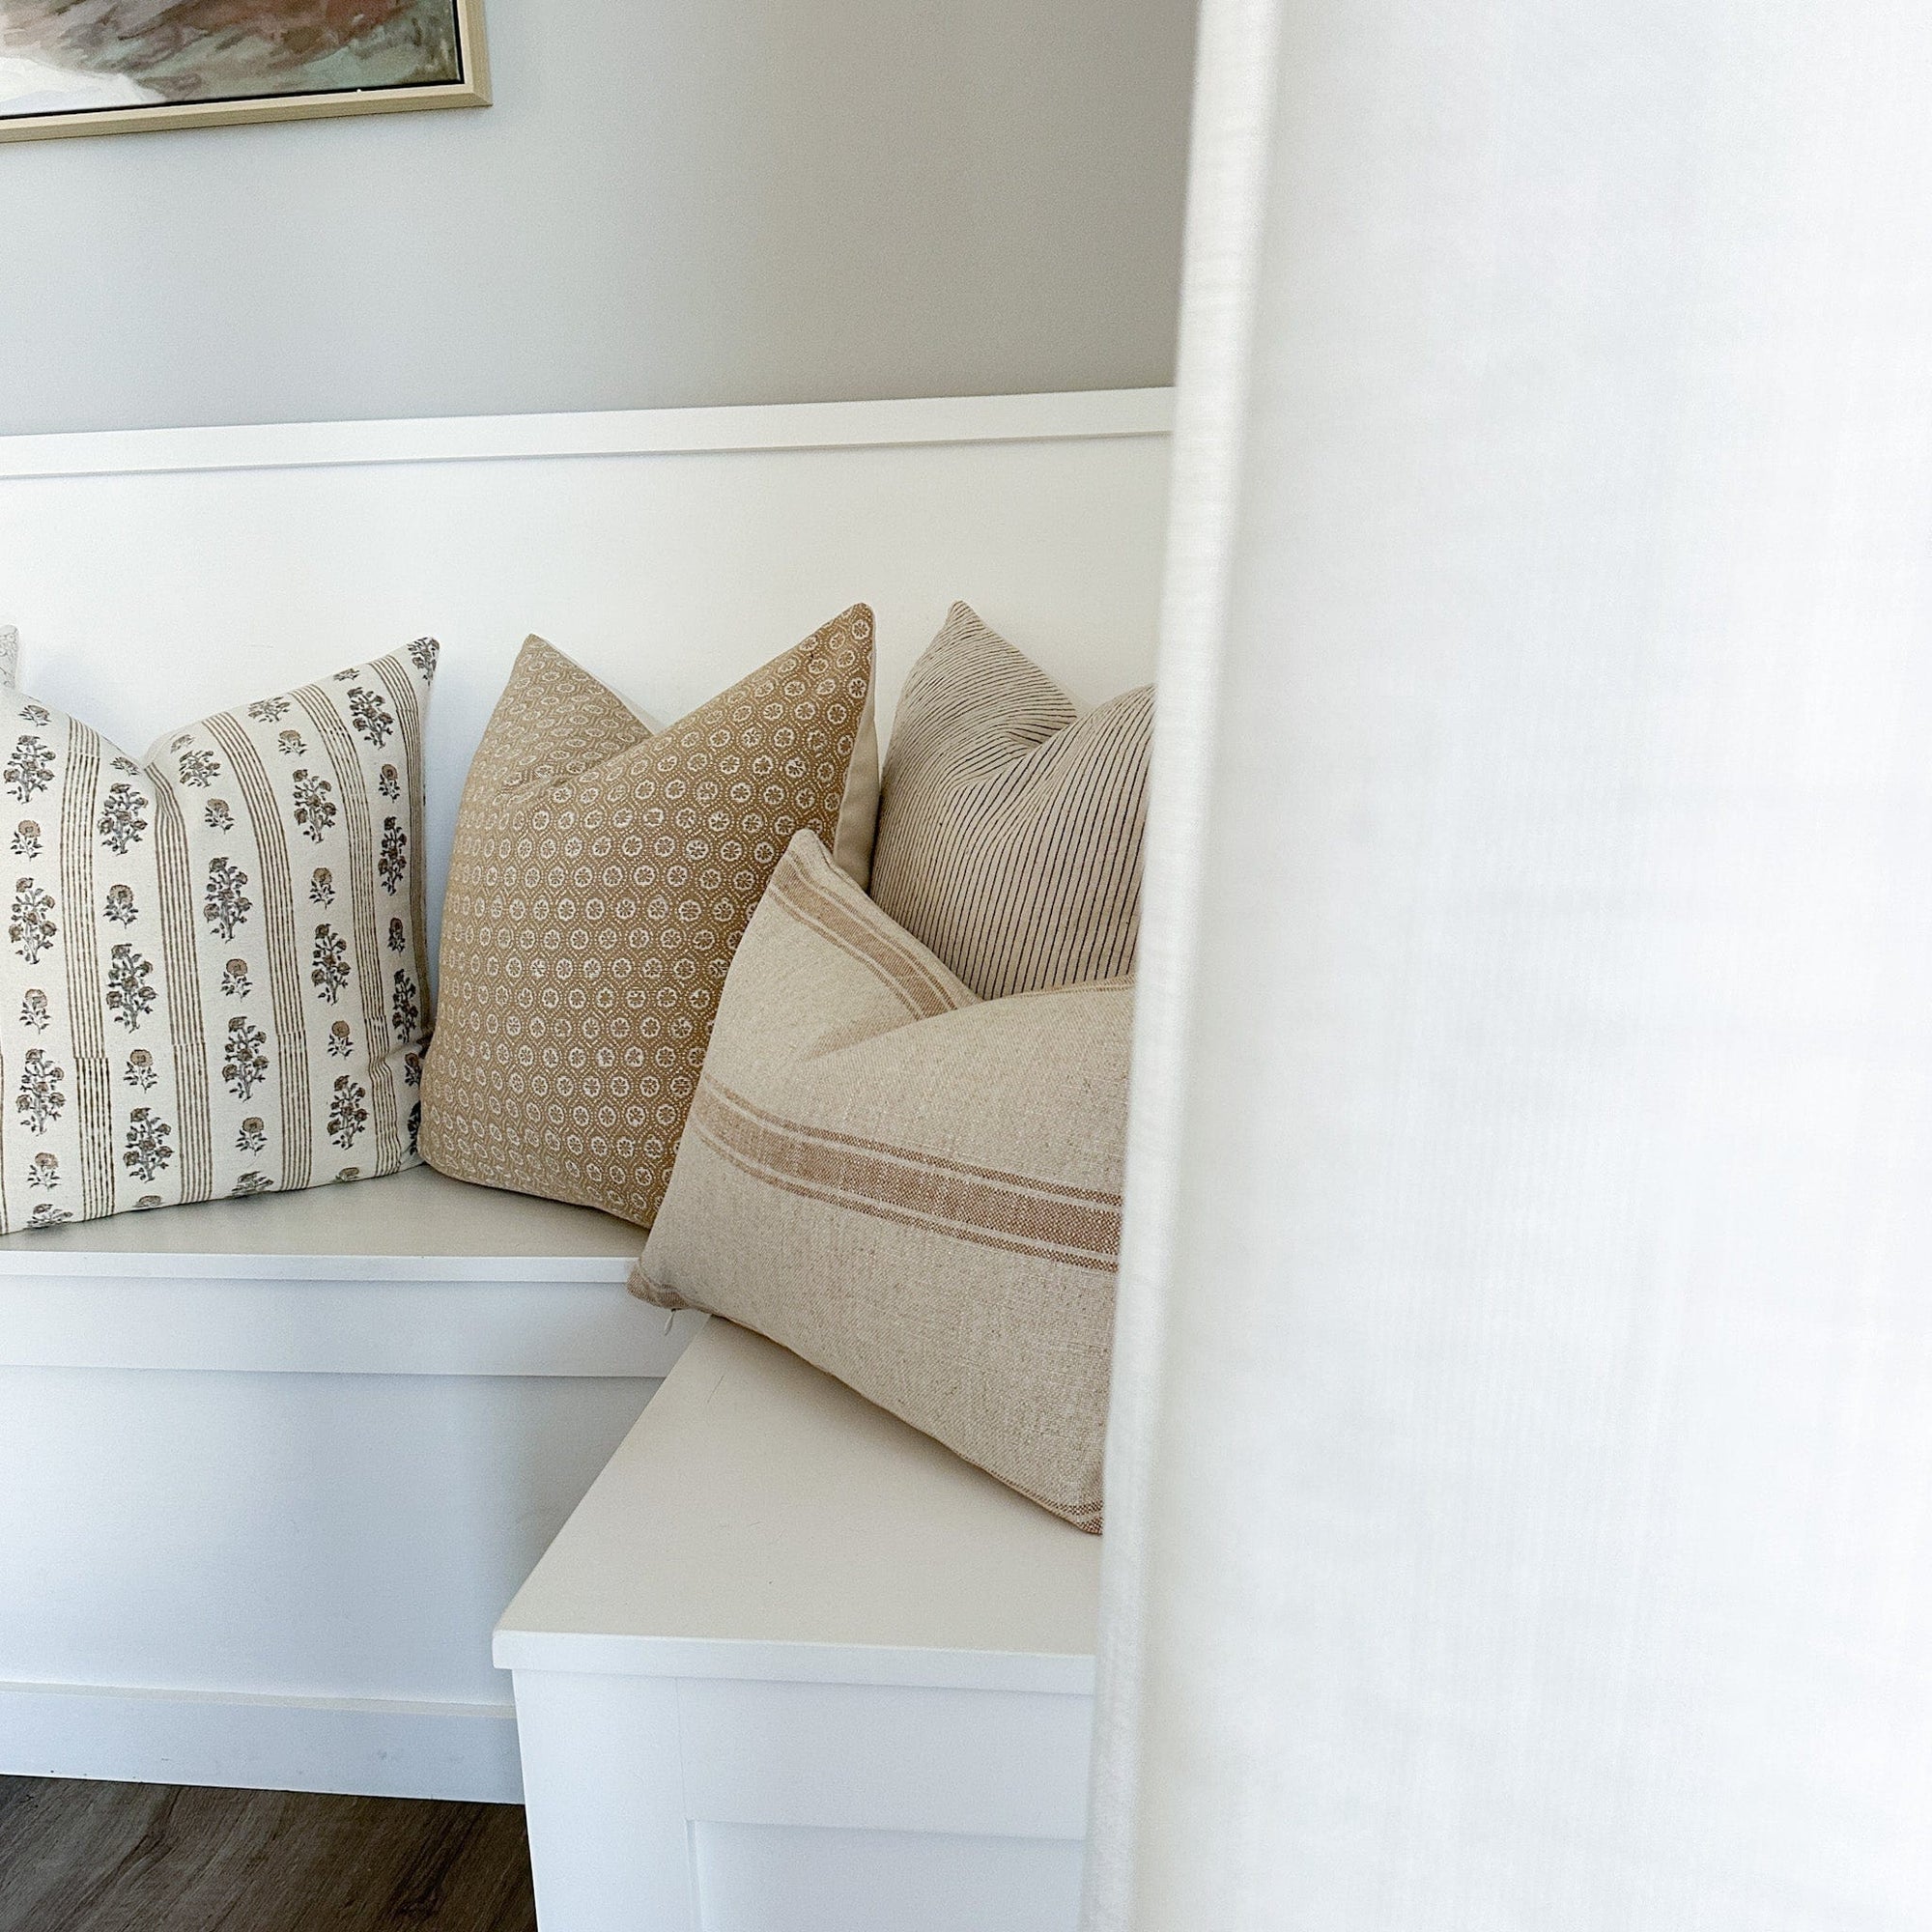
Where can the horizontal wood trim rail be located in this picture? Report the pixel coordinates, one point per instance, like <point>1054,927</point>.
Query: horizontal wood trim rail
<point>1076,415</point>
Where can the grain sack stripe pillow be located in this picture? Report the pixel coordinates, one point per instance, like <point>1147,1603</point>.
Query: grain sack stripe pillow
<point>898,960</point>
<point>214,979</point>
<point>915,1189</point>
<point>996,1210</point>
<point>1009,826</point>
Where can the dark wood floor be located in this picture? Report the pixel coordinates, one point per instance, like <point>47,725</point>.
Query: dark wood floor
<point>161,1858</point>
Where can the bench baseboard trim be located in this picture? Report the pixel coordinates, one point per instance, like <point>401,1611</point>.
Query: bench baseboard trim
<point>376,1748</point>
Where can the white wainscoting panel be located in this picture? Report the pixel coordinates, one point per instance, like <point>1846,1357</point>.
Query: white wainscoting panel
<point>279,1579</point>
<point>158,575</point>
<point>895,1757</point>
<point>270,1480</point>
<point>773,1878</point>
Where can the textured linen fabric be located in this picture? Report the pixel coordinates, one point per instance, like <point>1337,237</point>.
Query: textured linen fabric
<point>602,877</point>
<point>212,979</point>
<point>917,1190</point>
<point>1009,826</point>
<point>1530,1229</point>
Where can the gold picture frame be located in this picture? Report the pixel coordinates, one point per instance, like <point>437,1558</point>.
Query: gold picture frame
<point>469,88</point>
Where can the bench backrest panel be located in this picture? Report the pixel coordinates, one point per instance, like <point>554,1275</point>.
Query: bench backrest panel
<point>159,574</point>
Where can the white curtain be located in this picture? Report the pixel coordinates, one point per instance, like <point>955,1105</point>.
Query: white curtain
<point>1520,1507</point>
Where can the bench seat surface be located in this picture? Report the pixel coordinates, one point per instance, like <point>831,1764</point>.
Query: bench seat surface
<point>416,1225</point>
<point>761,1520</point>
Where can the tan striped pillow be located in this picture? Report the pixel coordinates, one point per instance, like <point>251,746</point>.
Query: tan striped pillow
<point>1009,826</point>
<point>870,1178</point>
<point>602,875</point>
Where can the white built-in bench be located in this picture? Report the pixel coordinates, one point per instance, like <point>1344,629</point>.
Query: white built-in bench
<point>792,1667</point>
<point>272,1469</point>
<point>274,1466</point>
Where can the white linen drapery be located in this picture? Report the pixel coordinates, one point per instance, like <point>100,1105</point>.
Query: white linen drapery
<point>1519,1501</point>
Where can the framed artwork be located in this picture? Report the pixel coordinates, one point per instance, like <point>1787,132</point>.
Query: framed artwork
<point>116,67</point>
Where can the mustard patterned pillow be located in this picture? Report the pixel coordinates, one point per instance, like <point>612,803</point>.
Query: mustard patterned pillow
<point>602,877</point>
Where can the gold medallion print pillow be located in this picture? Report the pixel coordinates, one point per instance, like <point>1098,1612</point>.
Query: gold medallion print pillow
<point>213,981</point>
<point>917,1190</point>
<point>602,877</point>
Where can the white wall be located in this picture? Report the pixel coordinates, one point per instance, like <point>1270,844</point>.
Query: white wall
<point>718,201</point>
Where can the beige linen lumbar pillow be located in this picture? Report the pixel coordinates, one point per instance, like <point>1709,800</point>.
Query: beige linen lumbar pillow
<point>1009,825</point>
<point>602,877</point>
<point>213,975</point>
<point>917,1190</point>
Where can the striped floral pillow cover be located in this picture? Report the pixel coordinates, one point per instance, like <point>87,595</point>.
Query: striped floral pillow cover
<point>213,981</point>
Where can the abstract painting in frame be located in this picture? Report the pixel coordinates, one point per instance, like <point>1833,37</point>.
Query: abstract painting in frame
<point>115,67</point>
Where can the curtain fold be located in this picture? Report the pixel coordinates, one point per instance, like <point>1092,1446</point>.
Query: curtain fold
<point>1233,108</point>
<point>1517,1493</point>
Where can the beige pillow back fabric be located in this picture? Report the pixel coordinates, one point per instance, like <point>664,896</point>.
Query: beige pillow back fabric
<point>212,980</point>
<point>602,877</point>
<point>1009,825</point>
<point>870,1177</point>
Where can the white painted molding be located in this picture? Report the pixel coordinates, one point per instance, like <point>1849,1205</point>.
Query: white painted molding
<point>1078,414</point>
<point>270,1324</point>
<point>410,1274</point>
<point>417,1225</point>
<point>742,1661</point>
<point>381,1746</point>
<point>160,1263</point>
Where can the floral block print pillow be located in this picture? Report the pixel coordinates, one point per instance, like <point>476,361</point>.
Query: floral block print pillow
<point>212,979</point>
